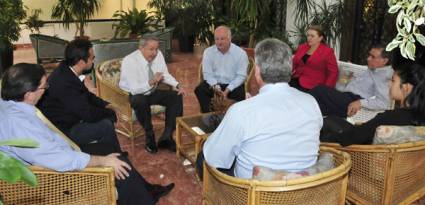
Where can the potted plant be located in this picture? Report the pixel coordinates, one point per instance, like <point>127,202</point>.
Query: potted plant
<point>11,169</point>
<point>133,22</point>
<point>179,14</point>
<point>78,11</point>
<point>11,14</point>
<point>410,17</point>
<point>33,22</point>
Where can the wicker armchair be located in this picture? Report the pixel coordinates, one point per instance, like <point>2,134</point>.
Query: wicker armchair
<point>386,174</point>
<point>89,186</point>
<point>107,75</point>
<point>250,72</point>
<point>328,187</point>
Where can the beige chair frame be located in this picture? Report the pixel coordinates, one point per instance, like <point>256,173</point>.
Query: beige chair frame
<point>385,174</point>
<point>328,187</point>
<point>93,185</point>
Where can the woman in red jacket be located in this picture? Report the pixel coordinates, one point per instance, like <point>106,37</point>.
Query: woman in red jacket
<point>314,63</point>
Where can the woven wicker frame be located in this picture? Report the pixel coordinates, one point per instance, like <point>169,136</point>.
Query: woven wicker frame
<point>386,174</point>
<point>89,186</point>
<point>324,188</point>
<point>121,100</point>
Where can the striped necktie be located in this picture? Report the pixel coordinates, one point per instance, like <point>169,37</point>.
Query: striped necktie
<point>56,130</point>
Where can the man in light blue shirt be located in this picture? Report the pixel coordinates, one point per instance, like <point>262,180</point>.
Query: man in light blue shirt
<point>368,90</point>
<point>224,68</point>
<point>22,87</point>
<point>278,128</point>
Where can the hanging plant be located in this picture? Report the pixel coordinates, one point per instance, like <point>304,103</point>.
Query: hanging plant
<point>411,15</point>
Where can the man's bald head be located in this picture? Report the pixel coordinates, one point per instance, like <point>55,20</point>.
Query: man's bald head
<point>222,38</point>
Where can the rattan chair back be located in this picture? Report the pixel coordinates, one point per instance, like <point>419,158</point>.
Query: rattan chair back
<point>386,174</point>
<point>89,186</point>
<point>328,187</point>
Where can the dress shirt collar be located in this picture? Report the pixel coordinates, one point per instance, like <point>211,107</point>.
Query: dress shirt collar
<point>143,59</point>
<point>381,69</point>
<point>230,51</point>
<point>270,87</point>
<point>21,106</point>
<point>72,69</point>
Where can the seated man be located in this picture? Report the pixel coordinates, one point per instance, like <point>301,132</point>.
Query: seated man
<point>369,90</point>
<point>22,87</point>
<point>71,107</point>
<point>224,67</point>
<point>278,128</point>
<point>141,72</point>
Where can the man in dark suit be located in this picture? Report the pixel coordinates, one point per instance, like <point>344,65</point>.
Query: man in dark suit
<point>78,113</point>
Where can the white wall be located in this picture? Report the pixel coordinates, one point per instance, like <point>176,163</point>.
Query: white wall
<point>95,30</point>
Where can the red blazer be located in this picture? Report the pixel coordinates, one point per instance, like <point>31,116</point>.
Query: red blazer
<point>320,69</point>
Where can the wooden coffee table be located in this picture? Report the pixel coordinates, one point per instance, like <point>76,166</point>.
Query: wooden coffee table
<point>189,148</point>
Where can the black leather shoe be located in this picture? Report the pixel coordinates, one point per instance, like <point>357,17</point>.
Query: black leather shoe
<point>167,144</point>
<point>157,191</point>
<point>150,145</point>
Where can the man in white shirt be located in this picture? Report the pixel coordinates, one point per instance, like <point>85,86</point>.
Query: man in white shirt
<point>278,128</point>
<point>224,68</point>
<point>141,72</point>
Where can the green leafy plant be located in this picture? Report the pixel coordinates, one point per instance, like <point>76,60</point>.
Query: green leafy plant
<point>33,22</point>
<point>133,22</point>
<point>410,15</point>
<point>11,169</point>
<point>78,11</point>
<point>251,11</point>
<point>328,15</point>
<point>12,13</point>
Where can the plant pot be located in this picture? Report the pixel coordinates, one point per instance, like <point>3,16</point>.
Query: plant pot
<point>186,43</point>
<point>6,57</point>
<point>250,52</point>
<point>133,36</point>
<point>82,37</point>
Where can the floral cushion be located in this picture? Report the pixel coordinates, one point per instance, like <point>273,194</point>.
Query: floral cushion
<point>324,163</point>
<point>110,71</point>
<point>386,134</point>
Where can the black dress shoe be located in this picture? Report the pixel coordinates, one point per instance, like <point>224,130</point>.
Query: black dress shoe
<point>151,147</point>
<point>167,144</point>
<point>157,191</point>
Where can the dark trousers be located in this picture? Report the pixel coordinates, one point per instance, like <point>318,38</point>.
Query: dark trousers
<point>173,103</point>
<point>133,190</point>
<point>333,102</point>
<point>295,83</point>
<point>102,131</point>
<point>204,93</point>
<point>199,165</point>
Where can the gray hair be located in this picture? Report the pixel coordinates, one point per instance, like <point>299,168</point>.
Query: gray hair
<point>146,38</point>
<point>226,28</point>
<point>274,58</point>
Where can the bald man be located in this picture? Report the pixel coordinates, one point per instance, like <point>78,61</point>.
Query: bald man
<point>224,68</point>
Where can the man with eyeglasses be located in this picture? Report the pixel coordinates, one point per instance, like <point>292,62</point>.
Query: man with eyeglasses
<point>69,105</point>
<point>22,86</point>
<point>370,89</point>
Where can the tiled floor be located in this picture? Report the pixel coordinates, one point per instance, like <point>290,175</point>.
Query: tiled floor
<point>164,167</point>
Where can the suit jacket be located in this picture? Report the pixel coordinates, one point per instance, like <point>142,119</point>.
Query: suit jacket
<point>320,69</point>
<point>68,102</point>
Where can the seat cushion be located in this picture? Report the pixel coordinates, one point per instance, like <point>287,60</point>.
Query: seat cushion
<point>111,71</point>
<point>386,134</point>
<point>324,163</point>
